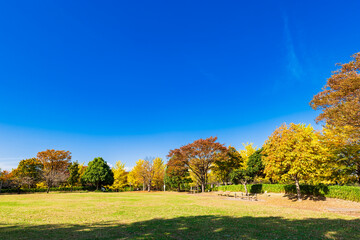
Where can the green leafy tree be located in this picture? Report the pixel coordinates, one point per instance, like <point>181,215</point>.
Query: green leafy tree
<point>253,168</point>
<point>225,164</point>
<point>74,174</point>
<point>98,173</point>
<point>242,176</point>
<point>255,165</point>
<point>177,173</point>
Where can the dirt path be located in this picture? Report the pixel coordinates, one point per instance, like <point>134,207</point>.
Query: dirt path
<point>325,205</point>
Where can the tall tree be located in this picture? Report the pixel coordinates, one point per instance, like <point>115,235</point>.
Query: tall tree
<point>199,156</point>
<point>177,173</point>
<point>248,151</point>
<point>159,173</point>
<point>255,164</point>
<point>98,173</point>
<point>55,166</point>
<point>28,172</point>
<point>249,171</point>
<point>294,152</point>
<point>345,151</point>
<point>74,174</point>
<point>340,98</point>
<point>225,164</point>
<point>138,174</point>
<point>149,171</point>
<point>120,176</point>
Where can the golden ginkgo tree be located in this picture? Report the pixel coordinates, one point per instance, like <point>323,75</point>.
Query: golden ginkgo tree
<point>295,153</point>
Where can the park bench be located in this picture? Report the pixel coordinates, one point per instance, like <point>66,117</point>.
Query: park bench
<point>220,193</point>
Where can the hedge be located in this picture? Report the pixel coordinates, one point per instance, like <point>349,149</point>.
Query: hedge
<point>32,190</point>
<point>341,192</point>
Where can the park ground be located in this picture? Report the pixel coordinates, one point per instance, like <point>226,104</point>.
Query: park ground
<point>159,215</point>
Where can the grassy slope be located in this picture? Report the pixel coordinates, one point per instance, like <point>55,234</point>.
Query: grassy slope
<point>160,216</point>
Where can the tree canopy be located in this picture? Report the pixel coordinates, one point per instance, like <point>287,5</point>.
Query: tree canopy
<point>55,166</point>
<point>98,173</point>
<point>294,152</point>
<point>340,98</point>
<point>199,156</point>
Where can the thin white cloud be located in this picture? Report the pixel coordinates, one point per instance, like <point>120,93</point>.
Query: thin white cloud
<point>294,67</point>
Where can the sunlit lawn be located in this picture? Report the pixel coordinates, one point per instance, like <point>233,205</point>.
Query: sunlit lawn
<point>161,216</point>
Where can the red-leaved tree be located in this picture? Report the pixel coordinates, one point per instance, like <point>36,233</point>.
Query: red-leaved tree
<point>199,156</point>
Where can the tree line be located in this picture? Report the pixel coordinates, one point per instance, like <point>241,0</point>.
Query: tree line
<point>292,153</point>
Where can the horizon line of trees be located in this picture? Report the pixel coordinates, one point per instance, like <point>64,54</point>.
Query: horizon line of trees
<point>292,153</point>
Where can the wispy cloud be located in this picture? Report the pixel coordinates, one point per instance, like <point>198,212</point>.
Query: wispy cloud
<point>293,64</point>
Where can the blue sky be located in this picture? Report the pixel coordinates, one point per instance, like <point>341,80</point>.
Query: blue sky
<point>125,80</point>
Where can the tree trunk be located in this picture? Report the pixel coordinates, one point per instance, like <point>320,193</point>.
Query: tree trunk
<point>97,185</point>
<point>48,189</point>
<point>179,187</point>
<point>144,186</point>
<point>202,187</point>
<point>297,188</point>
<point>246,191</point>
<point>1,183</point>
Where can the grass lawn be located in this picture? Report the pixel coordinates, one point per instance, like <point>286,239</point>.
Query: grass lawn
<point>161,216</point>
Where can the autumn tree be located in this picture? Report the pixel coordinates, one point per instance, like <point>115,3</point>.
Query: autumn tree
<point>199,157</point>
<point>120,176</point>
<point>74,174</point>
<point>177,173</point>
<point>245,153</point>
<point>159,173</point>
<point>340,98</point>
<point>296,153</point>
<point>28,172</point>
<point>224,164</point>
<point>345,151</point>
<point>5,178</point>
<point>98,173</point>
<point>137,176</point>
<point>149,172</point>
<point>55,166</point>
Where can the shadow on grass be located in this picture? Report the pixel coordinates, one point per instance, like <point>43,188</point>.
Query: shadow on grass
<point>294,198</point>
<point>195,227</point>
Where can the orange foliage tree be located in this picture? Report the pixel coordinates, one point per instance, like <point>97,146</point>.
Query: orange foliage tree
<point>340,98</point>
<point>199,157</point>
<point>55,166</point>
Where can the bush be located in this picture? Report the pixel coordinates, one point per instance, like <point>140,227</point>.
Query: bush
<point>53,189</point>
<point>341,192</point>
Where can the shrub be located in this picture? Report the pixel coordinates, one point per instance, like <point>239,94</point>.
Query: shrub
<point>341,192</point>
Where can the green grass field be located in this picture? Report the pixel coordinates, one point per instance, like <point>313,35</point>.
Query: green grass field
<point>161,216</point>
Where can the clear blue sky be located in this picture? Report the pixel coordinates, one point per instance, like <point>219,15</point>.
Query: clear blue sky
<point>129,79</point>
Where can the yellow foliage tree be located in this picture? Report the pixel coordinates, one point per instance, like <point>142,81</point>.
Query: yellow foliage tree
<point>247,152</point>
<point>120,176</point>
<point>296,153</point>
<point>345,148</point>
<point>159,173</point>
<point>138,174</point>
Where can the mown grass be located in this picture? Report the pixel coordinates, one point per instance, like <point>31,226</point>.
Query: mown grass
<point>161,216</point>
